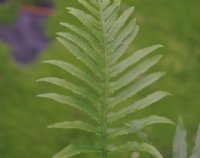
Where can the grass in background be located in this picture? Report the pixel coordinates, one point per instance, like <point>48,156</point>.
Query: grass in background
<point>23,117</point>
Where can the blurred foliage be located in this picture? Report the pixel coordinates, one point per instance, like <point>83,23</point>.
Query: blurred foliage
<point>23,117</point>
<point>9,12</point>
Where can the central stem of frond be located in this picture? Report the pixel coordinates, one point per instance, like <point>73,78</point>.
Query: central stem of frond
<point>106,93</point>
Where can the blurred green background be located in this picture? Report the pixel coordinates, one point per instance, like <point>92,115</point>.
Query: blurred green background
<point>24,118</point>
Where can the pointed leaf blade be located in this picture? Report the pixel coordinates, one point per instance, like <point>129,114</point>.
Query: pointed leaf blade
<point>76,125</point>
<point>134,73</point>
<point>77,72</point>
<point>89,8</point>
<point>86,35</point>
<point>196,150</point>
<point>73,102</point>
<point>120,23</point>
<point>138,105</point>
<point>134,58</point>
<point>109,11</point>
<point>76,149</point>
<point>75,50</point>
<point>154,119</point>
<point>82,44</point>
<point>112,13</point>
<point>72,87</point>
<point>121,50</point>
<point>105,4</point>
<point>135,146</point>
<point>180,143</point>
<point>123,34</point>
<point>134,88</point>
<point>94,3</point>
<point>137,125</point>
<point>88,21</point>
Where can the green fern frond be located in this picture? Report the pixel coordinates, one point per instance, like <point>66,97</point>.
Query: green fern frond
<point>180,145</point>
<point>196,150</point>
<point>108,82</point>
<point>180,142</point>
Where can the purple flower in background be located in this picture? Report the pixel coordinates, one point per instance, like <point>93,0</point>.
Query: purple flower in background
<point>27,36</point>
<point>2,1</point>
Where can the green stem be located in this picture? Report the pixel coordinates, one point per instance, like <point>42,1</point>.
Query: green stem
<point>105,105</point>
